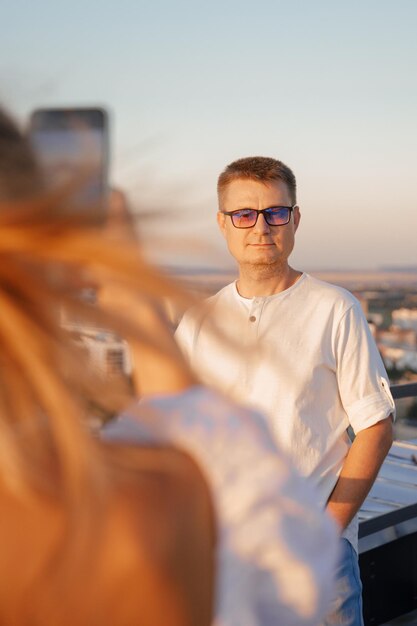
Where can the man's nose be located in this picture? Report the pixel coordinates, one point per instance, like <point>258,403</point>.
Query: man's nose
<point>261,225</point>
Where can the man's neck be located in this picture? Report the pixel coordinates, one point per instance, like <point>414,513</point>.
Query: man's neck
<point>265,280</point>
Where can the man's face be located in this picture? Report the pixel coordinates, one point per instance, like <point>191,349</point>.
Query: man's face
<point>261,244</point>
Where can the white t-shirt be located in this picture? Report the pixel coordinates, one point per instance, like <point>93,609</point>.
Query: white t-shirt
<point>305,358</point>
<point>276,548</point>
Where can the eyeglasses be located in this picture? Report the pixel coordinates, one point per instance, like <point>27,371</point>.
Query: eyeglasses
<point>274,216</point>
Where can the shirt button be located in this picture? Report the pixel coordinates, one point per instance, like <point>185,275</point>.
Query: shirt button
<point>252,318</point>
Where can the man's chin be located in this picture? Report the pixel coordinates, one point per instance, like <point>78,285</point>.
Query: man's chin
<point>264,259</point>
<point>262,265</point>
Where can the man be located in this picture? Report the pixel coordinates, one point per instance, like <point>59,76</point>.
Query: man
<point>307,361</point>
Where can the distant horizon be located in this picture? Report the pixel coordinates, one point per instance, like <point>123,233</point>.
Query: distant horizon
<point>411,269</point>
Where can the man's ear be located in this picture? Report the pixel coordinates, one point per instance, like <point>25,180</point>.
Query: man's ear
<point>297,217</point>
<point>221,221</point>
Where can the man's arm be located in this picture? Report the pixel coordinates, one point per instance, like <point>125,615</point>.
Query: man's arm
<point>359,471</point>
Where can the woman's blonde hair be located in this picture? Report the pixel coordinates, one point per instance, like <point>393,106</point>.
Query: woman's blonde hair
<point>85,518</point>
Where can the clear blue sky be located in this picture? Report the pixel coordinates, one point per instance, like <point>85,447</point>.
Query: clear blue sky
<point>329,87</point>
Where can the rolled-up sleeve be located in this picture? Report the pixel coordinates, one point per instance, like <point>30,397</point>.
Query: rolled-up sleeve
<point>362,379</point>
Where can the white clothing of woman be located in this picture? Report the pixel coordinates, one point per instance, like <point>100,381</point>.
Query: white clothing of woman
<point>276,549</point>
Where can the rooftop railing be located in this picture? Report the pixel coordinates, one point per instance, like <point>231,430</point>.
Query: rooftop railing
<point>388,540</point>
<point>406,390</point>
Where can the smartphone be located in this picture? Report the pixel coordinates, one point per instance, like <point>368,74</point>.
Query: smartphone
<point>72,148</point>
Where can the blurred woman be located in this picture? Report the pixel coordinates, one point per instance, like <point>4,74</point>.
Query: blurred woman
<point>123,533</point>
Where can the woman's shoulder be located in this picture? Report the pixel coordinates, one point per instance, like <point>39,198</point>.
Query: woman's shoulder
<point>153,470</point>
<point>165,511</point>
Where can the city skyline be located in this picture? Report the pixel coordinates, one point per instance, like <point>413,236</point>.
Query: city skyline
<point>329,88</point>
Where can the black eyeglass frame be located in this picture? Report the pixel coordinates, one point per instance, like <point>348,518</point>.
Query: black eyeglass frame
<point>264,212</point>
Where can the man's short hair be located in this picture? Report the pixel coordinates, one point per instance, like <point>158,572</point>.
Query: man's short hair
<point>261,169</point>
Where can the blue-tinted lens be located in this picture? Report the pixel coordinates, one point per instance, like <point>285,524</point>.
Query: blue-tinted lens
<point>277,216</point>
<point>244,219</point>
